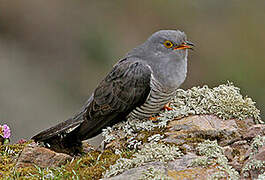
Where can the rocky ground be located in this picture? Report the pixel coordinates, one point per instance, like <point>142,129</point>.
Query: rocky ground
<point>208,134</point>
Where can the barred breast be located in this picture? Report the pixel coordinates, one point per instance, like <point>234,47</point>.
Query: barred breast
<point>157,98</point>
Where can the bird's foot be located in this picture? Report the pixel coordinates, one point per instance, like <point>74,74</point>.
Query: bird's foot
<point>154,118</point>
<point>167,107</point>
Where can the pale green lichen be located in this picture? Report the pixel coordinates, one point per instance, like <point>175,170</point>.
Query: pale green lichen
<point>224,101</point>
<point>133,143</point>
<point>106,133</point>
<point>210,149</point>
<point>261,177</point>
<point>154,173</point>
<point>254,164</point>
<point>155,138</point>
<point>213,155</point>
<point>149,153</point>
<point>218,175</point>
<point>130,129</point>
<point>257,143</point>
<point>201,161</point>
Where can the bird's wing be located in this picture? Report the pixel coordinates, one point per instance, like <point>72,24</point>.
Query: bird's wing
<point>126,87</point>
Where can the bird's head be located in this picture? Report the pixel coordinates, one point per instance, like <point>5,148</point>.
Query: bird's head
<point>166,43</point>
<point>166,54</point>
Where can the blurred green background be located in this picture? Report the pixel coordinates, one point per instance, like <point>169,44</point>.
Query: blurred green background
<point>53,53</point>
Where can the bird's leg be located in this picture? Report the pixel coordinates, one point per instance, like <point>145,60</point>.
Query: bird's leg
<point>166,107</point>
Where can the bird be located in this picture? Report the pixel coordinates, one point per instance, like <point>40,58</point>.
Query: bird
<point>138,86</point>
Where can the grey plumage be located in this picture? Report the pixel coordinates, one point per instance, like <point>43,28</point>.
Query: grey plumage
<point>138,86</point>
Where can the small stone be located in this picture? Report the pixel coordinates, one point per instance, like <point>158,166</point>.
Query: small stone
<point>261,154</point>
<point>86,147</point>
<point>239,143</point>
<point>228,152</point>
<point>236,165</point>
<point>40,156</point>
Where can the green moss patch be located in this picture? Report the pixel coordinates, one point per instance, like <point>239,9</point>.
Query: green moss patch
<point>88,166</point>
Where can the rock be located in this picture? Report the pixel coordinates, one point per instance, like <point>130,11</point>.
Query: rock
<point>200,127</point>
<point>232,135</point>
<point>87,148</point>
<point>258,129</point>
<point>233,138</point>
<point>177,169</point>
<point>228,152</point>
<point>261,154</point>
<point>136,173</point>
<point>40,156</point>
<point>220,143</point>
<point>203,123</point>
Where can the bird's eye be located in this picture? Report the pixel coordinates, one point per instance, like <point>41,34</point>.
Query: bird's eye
<point>168,44</point>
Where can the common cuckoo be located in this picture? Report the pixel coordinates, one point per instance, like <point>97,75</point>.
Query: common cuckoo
<point>138,86</point>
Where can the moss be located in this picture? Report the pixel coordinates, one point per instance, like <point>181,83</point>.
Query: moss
<point>90,166</point>
<point>8,155</point>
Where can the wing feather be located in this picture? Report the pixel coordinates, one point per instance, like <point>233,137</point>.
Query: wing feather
<point>126,87</point>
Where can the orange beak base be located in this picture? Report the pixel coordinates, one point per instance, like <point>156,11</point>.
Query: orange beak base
<point>183,47</point>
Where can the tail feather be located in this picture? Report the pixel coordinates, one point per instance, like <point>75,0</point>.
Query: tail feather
<point>60,129</point>
<point>63,137</point>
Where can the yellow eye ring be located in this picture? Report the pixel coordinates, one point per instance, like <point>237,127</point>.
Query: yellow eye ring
<point>168,44</point>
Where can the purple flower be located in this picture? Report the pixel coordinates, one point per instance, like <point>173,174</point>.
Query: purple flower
<point>6,131</point>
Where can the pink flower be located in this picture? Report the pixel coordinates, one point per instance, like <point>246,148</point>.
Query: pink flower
<point>6,131</point>
<point>22,141</point>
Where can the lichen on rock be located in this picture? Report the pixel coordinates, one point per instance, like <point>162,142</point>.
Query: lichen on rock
<point>224,101</point>
<point>150,152</point>
<point>212,154</point>
<point>256,163</point>
<point>154,173</point>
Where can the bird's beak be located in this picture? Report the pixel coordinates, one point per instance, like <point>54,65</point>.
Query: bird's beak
<point>185,45</point>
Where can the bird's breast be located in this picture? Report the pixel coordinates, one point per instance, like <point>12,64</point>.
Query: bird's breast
<point>157,98</point>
